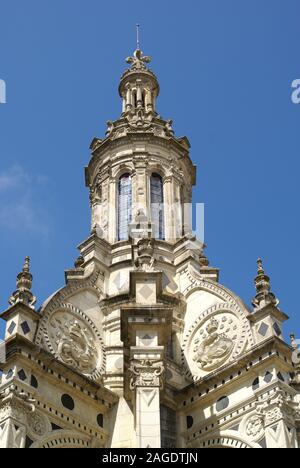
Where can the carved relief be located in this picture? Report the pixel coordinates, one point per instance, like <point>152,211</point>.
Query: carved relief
<point>145,259</point>
<point>74,344</point>
<point>73,338</point>
<point>15,404</point>
<point>218,336</point>
<point>253,427</point>
<point>38,425</point>
<point>212,346</point>
<point>146,373</point>
<point>17,413</point>
<point>278,406</point>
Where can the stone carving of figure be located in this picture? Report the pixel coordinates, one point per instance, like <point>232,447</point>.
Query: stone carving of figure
<point>110,128</point>
<point>214,349</point>
<point>169,128</point>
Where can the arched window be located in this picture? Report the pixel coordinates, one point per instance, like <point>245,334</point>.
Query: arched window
<point>157,206</point>
<point>124,207</point>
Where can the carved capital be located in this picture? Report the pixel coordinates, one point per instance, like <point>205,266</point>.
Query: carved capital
<point>278,407</point>
<point>15,404</point>
<point>146,373</point>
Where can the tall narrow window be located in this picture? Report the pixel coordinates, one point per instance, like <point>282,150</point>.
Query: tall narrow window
<point>157,206</point>
<point>124,207</point>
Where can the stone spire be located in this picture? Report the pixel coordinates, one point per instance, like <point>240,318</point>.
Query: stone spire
<point>264,296</point>
<point>23,293</point>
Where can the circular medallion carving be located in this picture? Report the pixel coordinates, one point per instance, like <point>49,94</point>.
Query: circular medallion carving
<point>74,342</point>
<point>253,427</point>
<point>38,425</point>
<point>73,338</point>
<point>219,335</point>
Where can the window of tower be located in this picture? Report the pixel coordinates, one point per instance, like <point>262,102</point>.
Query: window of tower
<point>124,207</point>
<point>157,206</point>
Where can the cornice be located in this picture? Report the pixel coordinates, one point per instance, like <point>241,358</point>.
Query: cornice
<point>243,362</point>
<point>18,346</point>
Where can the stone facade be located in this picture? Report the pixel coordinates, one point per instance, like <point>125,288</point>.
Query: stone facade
<point>143,347</point>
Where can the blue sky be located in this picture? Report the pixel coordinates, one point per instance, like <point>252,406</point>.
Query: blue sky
<point>225,69</point>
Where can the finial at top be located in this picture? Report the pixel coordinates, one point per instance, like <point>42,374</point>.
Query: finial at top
<point>260,268</point>
<point>139,60</point>
<point>264,296</point>
<point>23,292</point>
<point>26,267</point>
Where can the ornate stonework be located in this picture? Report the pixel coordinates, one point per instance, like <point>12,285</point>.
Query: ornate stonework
<point>146,373</point>
<point>253,427</point>
<point>143,347</point>
<point>217,336</point>
<point>15,404</point>
<point>71,336</point>
<point>212,345</point>
<point>38,425</point>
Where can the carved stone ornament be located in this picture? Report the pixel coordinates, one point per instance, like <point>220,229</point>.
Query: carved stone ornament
<point>145,259</point>
<point>38,425</point>
<point>219,335</point>
<point>146,373</point>
<point>15,404</point>
<point>139,60</point>
<point>253,427</point>
<point>213,346</point>
<point>278,406</point>
<point>73,338</point>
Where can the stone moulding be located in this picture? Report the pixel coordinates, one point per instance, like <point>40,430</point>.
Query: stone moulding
<point>65,439</point>
<point>88,283</point>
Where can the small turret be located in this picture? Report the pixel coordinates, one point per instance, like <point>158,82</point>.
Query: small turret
<point>264,296</point>
<point>23,292</point>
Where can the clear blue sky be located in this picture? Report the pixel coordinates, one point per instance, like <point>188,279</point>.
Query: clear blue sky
<point>225,69</point>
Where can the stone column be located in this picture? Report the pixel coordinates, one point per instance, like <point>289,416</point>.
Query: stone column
<point>139,93</point>
<point>128,98</point>
<point>147,371</point>
<point>169,209</point>
<point>178,228</point>
<point>15,406</point>
<point>140,187</point>
<point>148,100</point>
<point>113,210</point>
<point>187,213</point>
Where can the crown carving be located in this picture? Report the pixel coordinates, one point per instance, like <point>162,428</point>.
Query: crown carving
<point>213,326</point>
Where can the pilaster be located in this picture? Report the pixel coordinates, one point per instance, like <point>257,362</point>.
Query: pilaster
<point>147,369</point>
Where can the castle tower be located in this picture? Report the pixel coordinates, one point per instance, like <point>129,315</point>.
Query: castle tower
<point>143,347</point>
